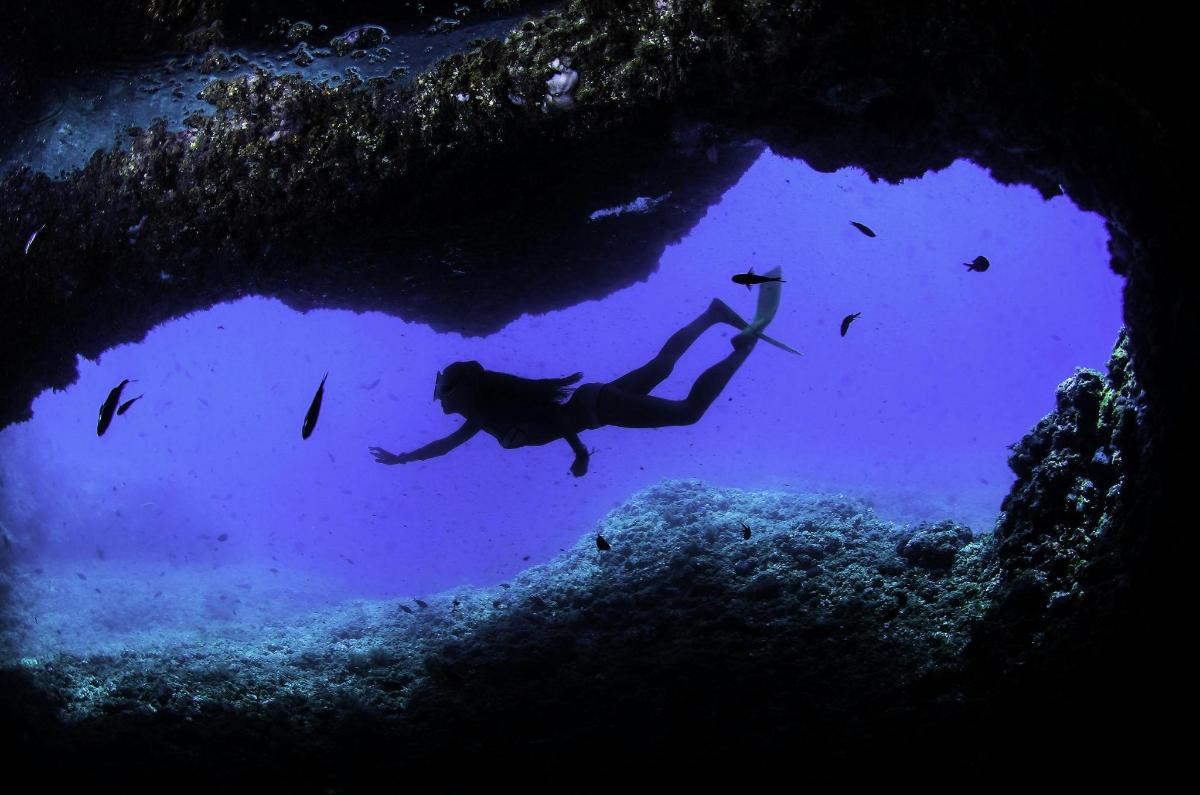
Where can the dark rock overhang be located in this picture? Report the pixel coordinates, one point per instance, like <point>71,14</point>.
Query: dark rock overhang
<point>253,198</point>
<point>1060,96</point>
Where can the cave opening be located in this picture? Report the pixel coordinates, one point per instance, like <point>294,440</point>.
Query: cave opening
<point>1074,659</point>
<point>204,497</point>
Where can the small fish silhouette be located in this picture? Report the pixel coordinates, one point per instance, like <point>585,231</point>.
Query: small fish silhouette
<point>750,277</point>
<point>979,264</point>
<point>421,604</point>
<point>745,531</point>
<point>866,230</point>
<point>602,545</point>
<point>125,406</point>
<point>110,407</point>
<point>847,320</point>
<point>310,419</point>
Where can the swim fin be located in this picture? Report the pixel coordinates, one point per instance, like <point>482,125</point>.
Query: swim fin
<point>769,294</point>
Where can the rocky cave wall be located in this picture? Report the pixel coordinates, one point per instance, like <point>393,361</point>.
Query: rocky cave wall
<point>1059,96</point>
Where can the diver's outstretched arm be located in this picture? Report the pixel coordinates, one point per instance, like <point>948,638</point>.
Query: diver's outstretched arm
<point>431,450</point>
<point>579,467</point>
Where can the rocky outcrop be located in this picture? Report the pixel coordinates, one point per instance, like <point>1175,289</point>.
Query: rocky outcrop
<point>1077,625</point>
<point>683,637</point>
<point>1072,473</point>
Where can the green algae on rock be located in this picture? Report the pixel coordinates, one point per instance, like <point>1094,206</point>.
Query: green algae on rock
<point>1072,472</point>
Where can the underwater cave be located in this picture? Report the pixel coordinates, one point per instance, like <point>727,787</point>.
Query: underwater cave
<point>945,527</point>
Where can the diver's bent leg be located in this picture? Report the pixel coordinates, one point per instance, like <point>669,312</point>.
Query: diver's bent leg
<point>632,410</point>
<point>654,372</point>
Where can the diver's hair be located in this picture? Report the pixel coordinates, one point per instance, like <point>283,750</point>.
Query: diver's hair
<point>506,396</point>
<point>503,396</point>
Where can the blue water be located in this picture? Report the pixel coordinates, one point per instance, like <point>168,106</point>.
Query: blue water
<point>203,507</point>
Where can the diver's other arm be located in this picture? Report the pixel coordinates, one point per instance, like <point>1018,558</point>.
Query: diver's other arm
<point>579,467</point>
<point>431,450</point>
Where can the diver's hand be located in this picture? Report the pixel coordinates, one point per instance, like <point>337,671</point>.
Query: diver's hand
<point>384,457</point>
<point>579,468</point>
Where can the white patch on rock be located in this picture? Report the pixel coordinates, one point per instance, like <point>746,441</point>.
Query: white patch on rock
<point>642,204</point>
<point>560,86</point>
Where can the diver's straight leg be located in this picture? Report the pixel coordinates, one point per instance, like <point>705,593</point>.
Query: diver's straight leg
<point>713,380</point>
<point>630,410</point>
<point>654,372</point>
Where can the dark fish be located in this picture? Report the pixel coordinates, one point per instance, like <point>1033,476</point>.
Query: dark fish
<point>157,594</point>
<point>745,531</point>
<point>371,385</point>
<point>100,553</point>
<point>406,609</point>
<point>310,419</point>
<point>80,575</point>
<point>110,407</point>
<point>847,320</point>
<point>273,570</point>
<point>979,264</point>
<point>125,406</point>
<point>421,604</point>
<point>223,537</point>
<point>866,230</point>
<point>750,277</point>
<point>602,545</point>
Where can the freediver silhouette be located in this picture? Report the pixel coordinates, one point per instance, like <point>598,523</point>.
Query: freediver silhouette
<point>522,412</point>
